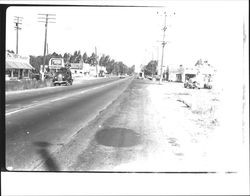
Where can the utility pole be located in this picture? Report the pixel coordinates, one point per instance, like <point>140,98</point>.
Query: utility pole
<point>163,45</point>
<point>163,42</point>
<point>45,19</point>
<point>17,21</point>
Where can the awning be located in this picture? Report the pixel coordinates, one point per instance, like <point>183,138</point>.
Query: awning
<point>17,65</point>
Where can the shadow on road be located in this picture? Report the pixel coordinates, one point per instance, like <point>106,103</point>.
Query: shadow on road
<point>43,151</point>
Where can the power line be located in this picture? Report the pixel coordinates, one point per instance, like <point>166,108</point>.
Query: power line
<point>17,21</point>
<point>45,19</point>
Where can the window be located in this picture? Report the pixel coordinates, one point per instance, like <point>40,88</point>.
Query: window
<point>8,73</point>
<point>15,73</point>
<point>25,73</point>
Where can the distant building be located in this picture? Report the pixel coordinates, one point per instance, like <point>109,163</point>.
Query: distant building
<point>17,67</point>
<point>79,69</point>
<point>176,74</point>
<point>84,69</point>
<point>202,71</point>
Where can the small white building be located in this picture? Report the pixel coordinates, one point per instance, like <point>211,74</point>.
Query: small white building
<point>203,72</point>
<point>79,69</point>
<point>84,69</point>
<point>17,67</point>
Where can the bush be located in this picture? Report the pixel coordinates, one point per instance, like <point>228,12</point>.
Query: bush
<point>27,84</point>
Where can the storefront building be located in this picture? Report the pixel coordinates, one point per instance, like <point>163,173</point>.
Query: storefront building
<point>17,67</point>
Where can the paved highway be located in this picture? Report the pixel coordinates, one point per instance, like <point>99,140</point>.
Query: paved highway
<point>50,117</point>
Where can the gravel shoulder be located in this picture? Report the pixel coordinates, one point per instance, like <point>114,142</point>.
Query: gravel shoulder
<point>152,128</point>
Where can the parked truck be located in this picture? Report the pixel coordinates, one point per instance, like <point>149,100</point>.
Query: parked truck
<point>62,76</point>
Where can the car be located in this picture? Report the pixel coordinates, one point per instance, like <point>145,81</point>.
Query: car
<point>63,77</point>
<point>157,77</point>
<point>122,76</point>
<point>188,84</point>
<point>208,85</point>
<point>149,77</point>
<point>192,83</point>
<point>35,76</point>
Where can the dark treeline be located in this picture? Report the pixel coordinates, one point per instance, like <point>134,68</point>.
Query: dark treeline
<point>112,66</point>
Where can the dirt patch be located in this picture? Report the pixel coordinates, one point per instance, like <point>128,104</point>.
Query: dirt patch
<point>117,137</point>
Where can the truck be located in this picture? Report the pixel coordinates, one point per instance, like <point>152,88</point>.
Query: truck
<point>59,72</point>
<point>62,76</point>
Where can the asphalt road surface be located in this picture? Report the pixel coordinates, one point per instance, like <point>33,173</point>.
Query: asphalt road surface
<point>48,118</point>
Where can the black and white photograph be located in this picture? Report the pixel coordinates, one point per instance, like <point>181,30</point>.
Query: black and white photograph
<point>128,87</point>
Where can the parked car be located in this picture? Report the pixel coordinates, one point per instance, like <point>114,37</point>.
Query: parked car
<point>157,77</point>
<point>192,83</point>
<point>122,76</point>
<point>149,77</point>
<point>208,85</point>
<point>63,77</point>
<point>35,76</point>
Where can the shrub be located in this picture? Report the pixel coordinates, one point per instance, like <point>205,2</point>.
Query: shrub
<point>26,84</point>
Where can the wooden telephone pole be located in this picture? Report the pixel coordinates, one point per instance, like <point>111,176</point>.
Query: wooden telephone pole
<point>163,42</point>
<point>45,19</point>
<point>17,21</point>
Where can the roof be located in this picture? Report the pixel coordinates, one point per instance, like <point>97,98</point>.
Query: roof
<point>17,65</point>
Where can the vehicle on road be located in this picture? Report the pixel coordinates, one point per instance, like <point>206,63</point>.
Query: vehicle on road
<point>157,77</point>
<point>122,76</point>
<point>149,77</point>
<point>63,77</point>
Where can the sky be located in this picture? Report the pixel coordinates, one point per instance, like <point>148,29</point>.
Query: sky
<point>210,30</point>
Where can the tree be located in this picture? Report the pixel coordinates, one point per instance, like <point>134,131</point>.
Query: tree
<point>150,68</point>
<point>101,61</point>
<point>116,69</point>
<point>104,60</point>
<point>85,57</point>
<point>55,55</point>
<point>78,57</point>
<point>131,70</point>
<point>36,61</point>
<point>92,60</point>
<point>199,62</point>
<point>66,57</point>
<point>110,66</point>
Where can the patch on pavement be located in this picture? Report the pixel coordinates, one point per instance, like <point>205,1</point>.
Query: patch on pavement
<point>117,137</point>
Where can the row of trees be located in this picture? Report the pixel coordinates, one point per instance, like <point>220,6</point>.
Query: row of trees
<point>112,66</point>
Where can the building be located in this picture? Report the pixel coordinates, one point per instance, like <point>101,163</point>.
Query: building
<point>97,71</point>
<point>17,67</point>
<point>176,74</point>
<point>203,72</point>
<point>84,69</point>
<point>79,69</point>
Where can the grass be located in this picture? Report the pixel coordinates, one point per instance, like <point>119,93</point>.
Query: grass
<point>203,104</point>
<point>26,84</point>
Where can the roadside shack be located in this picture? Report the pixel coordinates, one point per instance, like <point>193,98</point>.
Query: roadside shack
<point>17,67</point>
